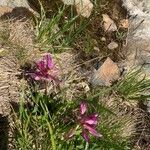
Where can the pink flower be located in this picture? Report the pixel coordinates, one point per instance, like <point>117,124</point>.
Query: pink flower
<point>88,123</point>
<point>46,69</point>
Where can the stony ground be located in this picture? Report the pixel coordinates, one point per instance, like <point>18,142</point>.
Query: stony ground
<point>17,48</point>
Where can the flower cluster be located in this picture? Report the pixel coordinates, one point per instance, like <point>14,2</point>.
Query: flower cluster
<point>88,122</point>
<point>46,69</point>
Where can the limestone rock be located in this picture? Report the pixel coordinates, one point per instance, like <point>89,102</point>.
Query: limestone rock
<point>124,23</point>
<point>112,45</point>
<point>14,3</point>
<point>83,7</point>
<point>19,6</point>
<point>106,74</point>
<point>137,49</point>
<point>109,24</point>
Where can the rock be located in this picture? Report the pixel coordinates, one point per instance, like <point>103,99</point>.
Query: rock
<point>96,49</point>
<point>124,23</point>
<point>109,24</point>
<point>68,2</point>
<point>14,3</point>
<point>137,7</point>
<point>17,13</point>
<point>103,39</point>
<point>112,45</point>
<point>83,7</point>
<point>4,10</point>
<point>7,6</point>
<point>106,74</point>
<point>137,48</point>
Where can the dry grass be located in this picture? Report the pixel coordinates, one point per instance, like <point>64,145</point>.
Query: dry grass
<point>16,44</point>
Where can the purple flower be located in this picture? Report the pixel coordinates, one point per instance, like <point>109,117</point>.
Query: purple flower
<point>88,123</point>
<point>46,69</point>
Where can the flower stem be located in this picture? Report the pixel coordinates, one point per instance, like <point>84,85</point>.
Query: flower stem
<point>52,136</point>
<point>46,84</point>
<point>86,146</point>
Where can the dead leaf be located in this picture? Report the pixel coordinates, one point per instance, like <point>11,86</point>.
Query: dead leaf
<point>106,74</point>
<point>109,24</point>
<point>112,45</point>
<point>124,23</point>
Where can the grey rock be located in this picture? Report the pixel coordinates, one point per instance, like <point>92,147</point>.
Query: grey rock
<point>137,49</point>
<point>14,3</point>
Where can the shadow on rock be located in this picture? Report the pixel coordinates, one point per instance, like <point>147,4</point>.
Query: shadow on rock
<point>18,13</point>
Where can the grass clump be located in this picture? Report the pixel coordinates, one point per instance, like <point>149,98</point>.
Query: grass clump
<point>135,85</point>
<point>60,31</point>
<point>47,124</point>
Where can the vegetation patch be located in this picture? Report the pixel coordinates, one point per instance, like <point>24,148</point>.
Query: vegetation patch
<point>48,62</point>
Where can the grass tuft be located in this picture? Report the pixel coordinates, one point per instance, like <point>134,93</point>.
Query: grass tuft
<point>60,31</point>
<point>134,86</point>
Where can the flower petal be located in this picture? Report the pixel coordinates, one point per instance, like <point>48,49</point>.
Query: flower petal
<point>91,119</point>
<point>41,65</point>
<point>85,135</point>
<point>83,108</point>
<point>49,62</point>
<point>92,130</point>
<point>45,70</point>
<point>36,76</point>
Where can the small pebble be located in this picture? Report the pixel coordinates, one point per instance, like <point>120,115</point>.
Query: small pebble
<point>103,39</point>
<point>112,45</point>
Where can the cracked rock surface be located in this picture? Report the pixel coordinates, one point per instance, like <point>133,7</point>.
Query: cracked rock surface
<point>137,48</point>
